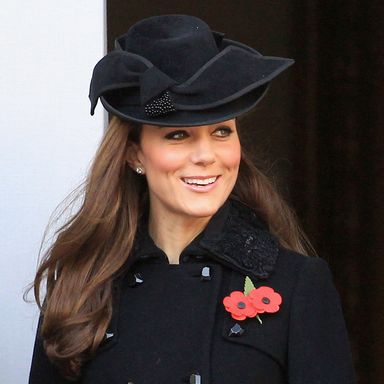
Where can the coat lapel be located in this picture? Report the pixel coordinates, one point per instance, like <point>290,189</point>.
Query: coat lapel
<point>237,238</point>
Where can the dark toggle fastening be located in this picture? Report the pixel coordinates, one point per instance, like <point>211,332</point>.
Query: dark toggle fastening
<point>236,330</point>
<point>195,378</point>
<point>206,274</point>
<point>135,279</point>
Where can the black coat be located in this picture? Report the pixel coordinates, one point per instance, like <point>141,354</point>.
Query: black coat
<point>170,325</point>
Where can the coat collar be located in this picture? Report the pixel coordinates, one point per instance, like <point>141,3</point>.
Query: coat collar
<point>234,237</point>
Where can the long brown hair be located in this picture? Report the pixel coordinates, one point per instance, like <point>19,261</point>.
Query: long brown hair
<point>92,246</point>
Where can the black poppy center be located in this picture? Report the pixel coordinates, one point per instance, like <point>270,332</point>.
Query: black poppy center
<point>241,305</point>
<point>265,300</point>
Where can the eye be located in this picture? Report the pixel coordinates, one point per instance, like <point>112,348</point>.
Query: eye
<point>223,131</point>
<point>176,135</point>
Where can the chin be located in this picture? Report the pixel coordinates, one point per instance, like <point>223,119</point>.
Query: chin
<point>203,208</point>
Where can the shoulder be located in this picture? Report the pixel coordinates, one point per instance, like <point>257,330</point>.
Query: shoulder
<point>291,265</point>
<point>263,246</point>
<point>293,260</point>
<point>304,279</point>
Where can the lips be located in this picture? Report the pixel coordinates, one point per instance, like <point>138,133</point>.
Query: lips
<point>199,180</point>
<point>201,184</point>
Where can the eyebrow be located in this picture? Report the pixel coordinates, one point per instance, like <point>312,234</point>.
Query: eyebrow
<point>221,124</point>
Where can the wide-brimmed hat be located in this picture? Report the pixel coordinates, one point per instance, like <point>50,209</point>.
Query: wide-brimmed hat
<point>173,70</point>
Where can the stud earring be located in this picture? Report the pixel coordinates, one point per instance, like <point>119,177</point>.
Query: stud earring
<point>139,170</point>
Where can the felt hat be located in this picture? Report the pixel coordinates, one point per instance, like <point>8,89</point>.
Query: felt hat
<point>173,70</point>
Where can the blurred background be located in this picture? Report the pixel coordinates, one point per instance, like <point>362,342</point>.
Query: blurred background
<point>320,133</point>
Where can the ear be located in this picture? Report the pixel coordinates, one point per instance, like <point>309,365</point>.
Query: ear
<point>132,155</point>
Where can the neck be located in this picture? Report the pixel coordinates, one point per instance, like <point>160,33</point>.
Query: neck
<point>173,232</point>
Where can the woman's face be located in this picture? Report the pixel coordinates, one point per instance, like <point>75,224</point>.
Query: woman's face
<point>190,170</point>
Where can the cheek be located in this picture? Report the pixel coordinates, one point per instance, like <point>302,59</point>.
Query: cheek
<point>158,160</point>
<point>231,156</point>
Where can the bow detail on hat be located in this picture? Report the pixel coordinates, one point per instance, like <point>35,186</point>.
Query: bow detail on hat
<point>120,70</point>
<point>139,81</point>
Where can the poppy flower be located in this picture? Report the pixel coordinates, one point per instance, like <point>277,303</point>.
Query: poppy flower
<point>239,305</point>
<point>265,299</point>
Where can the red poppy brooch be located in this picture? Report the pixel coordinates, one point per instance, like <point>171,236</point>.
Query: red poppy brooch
<point>252,301</point>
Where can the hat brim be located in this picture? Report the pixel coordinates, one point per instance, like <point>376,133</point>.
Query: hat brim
<point>115,100</point>
<point>223,112</point>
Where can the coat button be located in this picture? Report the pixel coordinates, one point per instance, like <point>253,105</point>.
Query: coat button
<point>134,279</point>
<point>206,274</point>
<point>195,378</point>
<point>236,330</point>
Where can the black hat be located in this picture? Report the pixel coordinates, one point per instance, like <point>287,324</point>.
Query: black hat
<point>173,70</point>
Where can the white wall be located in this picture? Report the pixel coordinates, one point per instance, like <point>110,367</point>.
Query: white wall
<point>47,140</point>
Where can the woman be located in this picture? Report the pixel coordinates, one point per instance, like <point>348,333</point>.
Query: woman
<point>183,264</point>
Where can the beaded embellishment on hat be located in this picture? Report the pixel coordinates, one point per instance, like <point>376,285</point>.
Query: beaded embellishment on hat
<point>160,105</point>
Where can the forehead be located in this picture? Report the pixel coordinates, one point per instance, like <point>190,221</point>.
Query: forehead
<point>231,122</point>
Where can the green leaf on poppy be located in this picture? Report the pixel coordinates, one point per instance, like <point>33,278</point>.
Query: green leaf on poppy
<point>248,285</point>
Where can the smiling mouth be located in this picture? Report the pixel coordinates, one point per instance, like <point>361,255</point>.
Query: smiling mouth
<point>200,181</point>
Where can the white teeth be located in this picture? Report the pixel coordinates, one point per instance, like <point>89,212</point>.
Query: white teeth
<point>201,181</point>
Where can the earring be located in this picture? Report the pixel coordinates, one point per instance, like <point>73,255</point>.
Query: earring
<point>139,170</point>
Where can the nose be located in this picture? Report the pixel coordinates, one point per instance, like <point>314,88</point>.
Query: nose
<point>203,152</point>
